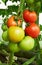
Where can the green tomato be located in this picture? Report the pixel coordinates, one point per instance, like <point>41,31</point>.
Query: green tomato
<point>27,43</point>
<point>5,36</point>
<point>15,34</point>
<point>4,27</point>
<point>13,47</point>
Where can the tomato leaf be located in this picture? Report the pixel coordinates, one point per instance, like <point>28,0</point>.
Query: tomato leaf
<point>29,61</point>
<point>9,10</point>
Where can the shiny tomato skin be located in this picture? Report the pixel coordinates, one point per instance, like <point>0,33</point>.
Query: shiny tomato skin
<point>32,17</point>
<point>29,16</point>
<point>33,30</point>
<point>27,43</point>
<point>15,34</point>
<point>26,15</point>
<point>13,47</point>
<point>11,22</point>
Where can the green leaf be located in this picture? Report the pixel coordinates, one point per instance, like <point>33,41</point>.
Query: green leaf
<point>29,61</point>
<point>9,11</point>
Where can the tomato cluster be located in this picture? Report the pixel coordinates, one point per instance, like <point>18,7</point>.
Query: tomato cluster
<point>33,29</point>
<point>16,35</point>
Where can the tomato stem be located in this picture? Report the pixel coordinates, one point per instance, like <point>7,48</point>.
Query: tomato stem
<point>20,10</point>
<point>11,58</point>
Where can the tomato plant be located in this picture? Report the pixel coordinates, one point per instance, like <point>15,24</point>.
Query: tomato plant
<point>33,30</point>
<point>29,16</point>
<point>21,47</point>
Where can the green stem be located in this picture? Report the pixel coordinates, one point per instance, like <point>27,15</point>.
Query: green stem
<point>11,58</point>
<point>20,10</point>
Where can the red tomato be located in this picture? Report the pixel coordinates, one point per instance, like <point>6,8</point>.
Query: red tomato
<point>26,14</point>
<point>11,22</point>
<point>33,30</point>
<point>29,16</point>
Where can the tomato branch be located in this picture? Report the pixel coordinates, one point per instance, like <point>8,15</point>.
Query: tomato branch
<point>20,9</point>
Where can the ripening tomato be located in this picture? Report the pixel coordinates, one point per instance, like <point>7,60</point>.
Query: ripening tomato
<point>33,30</point>
<point>14,22</point>
<point>27,43</point>
<point>29,16</point>
<point>15,34</point>
<point>11,22</point>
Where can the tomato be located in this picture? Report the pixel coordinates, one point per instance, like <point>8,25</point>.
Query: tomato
<point>5,36</point>
<point>29,16</point>
<point>13,47</point>
<point>11,22</point>
<point>15,33</point>
<point>27,43</point>
<point>33,30</point>
<point>4,27</point>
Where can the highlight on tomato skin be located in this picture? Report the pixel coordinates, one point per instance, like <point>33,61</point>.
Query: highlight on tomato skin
<point>16,33</point>
<point>29,16</point>
<point>27,43</point>
<point>33,30</point>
